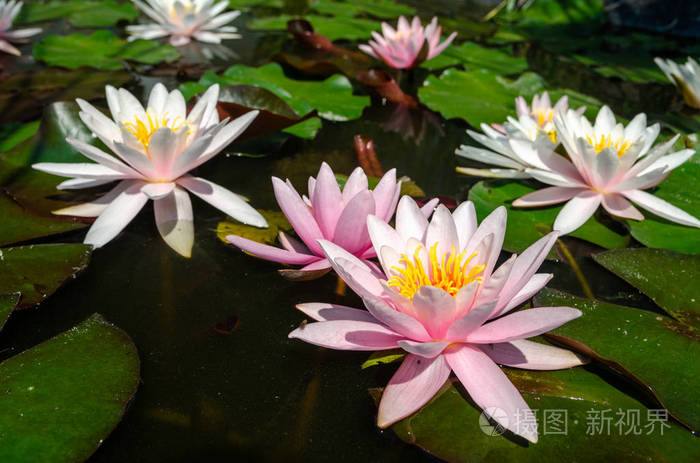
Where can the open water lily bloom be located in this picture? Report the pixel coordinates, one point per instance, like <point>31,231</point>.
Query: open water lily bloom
<point>8,12</point>
<point>684,76</point>
<point>442,300</point>
<point>401,48</point>
<point>183,20</point>
<point>513,146</point>
<point>608,164</point>
<point>155,148</point>
<point>329,214</point>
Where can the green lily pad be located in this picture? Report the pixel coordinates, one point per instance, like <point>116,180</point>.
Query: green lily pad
<point>276,222</point>
<point>667,277</point>
<point>383,356</point>
<point>37,271</point>
<point>62,398</point>
<point>8,302</point>
<point>101,50</point>
<point>658,350</point>
<point>16,133</point>
<point>525,226</point>
<point>332,98</point>
<point>305,129</point>
<point>450,428</point>
<point>80,13</point>
<point>679,190</point>
<point>632,66</point>
<point>333,28</point>
<point>477,96</point>
<point>383,9</point>
<point>498,60</point>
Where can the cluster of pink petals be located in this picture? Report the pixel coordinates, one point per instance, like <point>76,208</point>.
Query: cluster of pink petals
<point>608,164</point>
<point>155,166</point>
<point>466,333</point>
<point>328,214</point>
<point>8,12</point>
<point>182,20</point>
<point>401,48</point>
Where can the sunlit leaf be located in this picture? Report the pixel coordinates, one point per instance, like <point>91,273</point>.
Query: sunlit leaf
<point>81,13</point>
<point>276,222</point>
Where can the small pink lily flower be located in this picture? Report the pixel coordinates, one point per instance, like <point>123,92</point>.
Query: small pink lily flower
<point>610,165</point>
<point>401,48</point>
<point>328,214</point>
<point>438,299</point>
<point>155,149</point>
<point>8,12</point>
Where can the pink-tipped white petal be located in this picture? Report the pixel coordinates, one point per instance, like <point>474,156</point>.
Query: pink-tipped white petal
<point>117,215</point>
<point>531,355</point>
<point>175,221</point>
<point>618,206</point>
<point>575,212</point>
<point>661,208</point>
<point>348,335</point>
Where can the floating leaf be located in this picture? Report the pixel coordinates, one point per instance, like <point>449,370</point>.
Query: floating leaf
<point>8,302</point>
<point>16,133</point>
<point>383,356</point>
<point>37,271</point>
<point>332,98</point>
<point>341,27</point>
<point>305,129</point>
<point>276,222</point>
<point>498,60</point>
<point>525,226</point>
<point>667,277</point>
<point>450,427</point>
<point>658,350</point>
<point>383,9</point>
<point>62,398</point>
<point>80,13</point>
<point>101,50</point>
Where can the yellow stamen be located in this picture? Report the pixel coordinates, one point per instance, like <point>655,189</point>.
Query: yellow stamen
<point>606,141</point>
<point>144,130</point>
<point>543,116</point>
<point>449,273</point>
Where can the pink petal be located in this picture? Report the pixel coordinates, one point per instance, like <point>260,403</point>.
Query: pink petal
<point>322,311</point>
<point>117,215</point>
<point>356,183</point>
<point>547,196</point>
<point>523,324</point>
<point>661,208</point>
<point>465,221</point>
<point>397,321</point>
<point>351,229</point>
<point>531,355</point>
<point>292,244</point>
<point>357,274</point>
<point>175,221</point>
<point>298,214</point>
<point>96,207</point>
<point>412,386</point>
<point>532,287</point>
<point>381,234</point>
<point>424,349</point>
<point>327,201</point>
<point>491,389</point>
<point>494,284</point>
<point>266,252</point>
<point>158,190</point>
<point>618,206</point>
<point>410,221</point>
<point>460,328</point>
<point>348,335</point>
<point>321,264</point>
<point>442,231</point>
<point>435,309</point>
<point>386,195</point>
<point>494,224</point>
<point>577,211</point>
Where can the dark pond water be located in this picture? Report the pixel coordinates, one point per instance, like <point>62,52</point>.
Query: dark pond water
<point>252,394</point>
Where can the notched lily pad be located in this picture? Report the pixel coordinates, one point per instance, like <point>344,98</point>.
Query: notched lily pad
<point>37,271</point>
<point>62,398</point>
<point>669,278</point>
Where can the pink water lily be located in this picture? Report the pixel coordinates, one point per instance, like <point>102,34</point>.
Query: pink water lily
<point>608,164</point>
<point>513,145</point>
<point>155,148</point>
<point>329,214</point>
<point>8,12</point>
<point>442,300</point>
<point>401,48</point>
<point>183,20</point>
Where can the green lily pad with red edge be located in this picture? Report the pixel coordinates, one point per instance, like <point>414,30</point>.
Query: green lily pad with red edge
<point>449,426</point>
<point>8,302</point>
<point>499,60</point>
<point>37,271</point>
<point>525,225</point>
<point>657,352</point>
<point>80,13</point>
<point>101,50</point>
<point>678,189</point>
<point>669,278</point>
<point>63,397</point>
<point>331,98</point>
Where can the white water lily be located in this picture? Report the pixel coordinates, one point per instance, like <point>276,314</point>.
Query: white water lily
<point>156,147</point>
<point>513,146</point>
<point>183,20</point>
<point>8,12</point>
<point>608,164</point>
<point>684,76</point>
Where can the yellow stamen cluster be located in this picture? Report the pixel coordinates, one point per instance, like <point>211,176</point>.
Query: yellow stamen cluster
<point>144,130</point>
<point>606,141</point>
<point>449,273</point>
<point>544,118</point>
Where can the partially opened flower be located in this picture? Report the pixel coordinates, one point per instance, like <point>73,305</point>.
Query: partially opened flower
<point>513,146</point>
<point>182,20</point>
<point>442,300</point>
<point>8,12</point>
<point>329,214</point>
<point>684,76</point>
<point>156,147</point>
<point>608,164</point>
<point>401,48</point>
